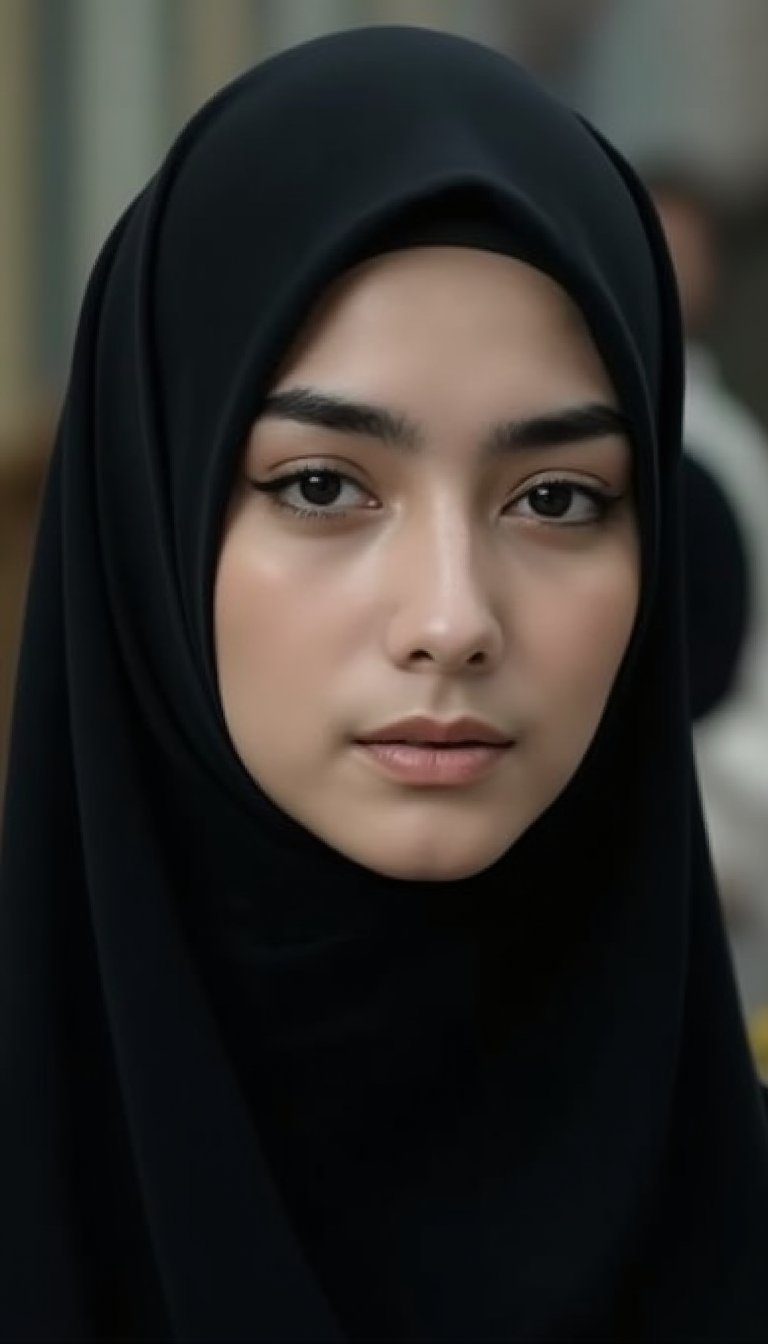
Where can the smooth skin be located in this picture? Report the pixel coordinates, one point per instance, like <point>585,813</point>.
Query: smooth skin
<point>467,546</point>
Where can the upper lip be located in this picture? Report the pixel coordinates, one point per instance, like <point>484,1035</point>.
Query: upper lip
<point>425,730</point>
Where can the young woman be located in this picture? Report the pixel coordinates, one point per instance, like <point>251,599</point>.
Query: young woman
<point>363,975</point>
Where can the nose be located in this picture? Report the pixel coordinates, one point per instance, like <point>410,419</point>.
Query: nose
<point>444,616</point>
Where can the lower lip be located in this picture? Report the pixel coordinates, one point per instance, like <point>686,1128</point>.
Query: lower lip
<point>449,765</point>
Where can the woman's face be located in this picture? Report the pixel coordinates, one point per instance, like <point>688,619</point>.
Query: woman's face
<point>432,523</point>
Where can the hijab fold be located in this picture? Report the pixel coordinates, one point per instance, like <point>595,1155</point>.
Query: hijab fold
<point>251,1090</point>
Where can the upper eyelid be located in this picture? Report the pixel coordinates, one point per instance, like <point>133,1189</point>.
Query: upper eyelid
<point>291,473</point>
<point>292,477</point>
<point>567,477</point>
<point>351,471</point>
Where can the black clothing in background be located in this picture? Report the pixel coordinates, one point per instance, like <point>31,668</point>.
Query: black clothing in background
<point>250,1090</point>
<point>717,589</point>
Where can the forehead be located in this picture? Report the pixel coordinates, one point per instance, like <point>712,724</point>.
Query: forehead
<point>432,315</point>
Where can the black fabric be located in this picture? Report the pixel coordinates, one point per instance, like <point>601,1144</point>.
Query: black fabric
<point>251,1091</point>
<point>717,589</point>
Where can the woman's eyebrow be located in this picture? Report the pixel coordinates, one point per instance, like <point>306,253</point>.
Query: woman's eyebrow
<point>308,406</point>
<point>568,424</point>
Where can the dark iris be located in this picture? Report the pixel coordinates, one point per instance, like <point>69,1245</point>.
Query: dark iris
<point>553,500</point>
<point>320,487</point>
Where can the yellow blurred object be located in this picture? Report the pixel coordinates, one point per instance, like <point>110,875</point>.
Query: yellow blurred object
<point>758,1038</point>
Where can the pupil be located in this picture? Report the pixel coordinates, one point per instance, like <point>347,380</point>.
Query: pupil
<point>321,487</point>
<point>552,500</point>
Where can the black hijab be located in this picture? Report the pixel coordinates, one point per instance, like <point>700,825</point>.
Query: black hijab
<point>250,1090</point>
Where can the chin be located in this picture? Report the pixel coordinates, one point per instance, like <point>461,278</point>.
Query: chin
<point>433,862</point>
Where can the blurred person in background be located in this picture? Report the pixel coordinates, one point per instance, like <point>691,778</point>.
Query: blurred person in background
<point>725,440</point>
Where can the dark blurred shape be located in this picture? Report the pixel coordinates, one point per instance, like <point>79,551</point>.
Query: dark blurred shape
<point>726,484</point>
<point>716,588</point>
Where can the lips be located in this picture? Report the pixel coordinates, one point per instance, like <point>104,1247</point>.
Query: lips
<point>428,752</point>
<point>426,732</point>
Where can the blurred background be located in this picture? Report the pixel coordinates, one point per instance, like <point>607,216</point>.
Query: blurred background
<point>93,91</point>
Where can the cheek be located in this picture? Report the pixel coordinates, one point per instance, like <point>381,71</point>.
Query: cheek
<point>577,633</point>
<point>261,636</point>
<point>282,640</point>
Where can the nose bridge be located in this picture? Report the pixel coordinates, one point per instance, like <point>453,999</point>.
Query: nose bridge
<point>450,561</point>
<point>445,608</point>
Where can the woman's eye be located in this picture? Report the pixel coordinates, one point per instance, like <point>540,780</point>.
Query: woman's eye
<point>315,492</point>
<point>563,502</point>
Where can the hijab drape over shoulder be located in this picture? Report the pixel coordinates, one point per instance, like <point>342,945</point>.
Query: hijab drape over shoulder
<point>250,1090</point>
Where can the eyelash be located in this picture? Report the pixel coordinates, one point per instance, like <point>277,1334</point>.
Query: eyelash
<point>603,500</point>
<point>275,487</point>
